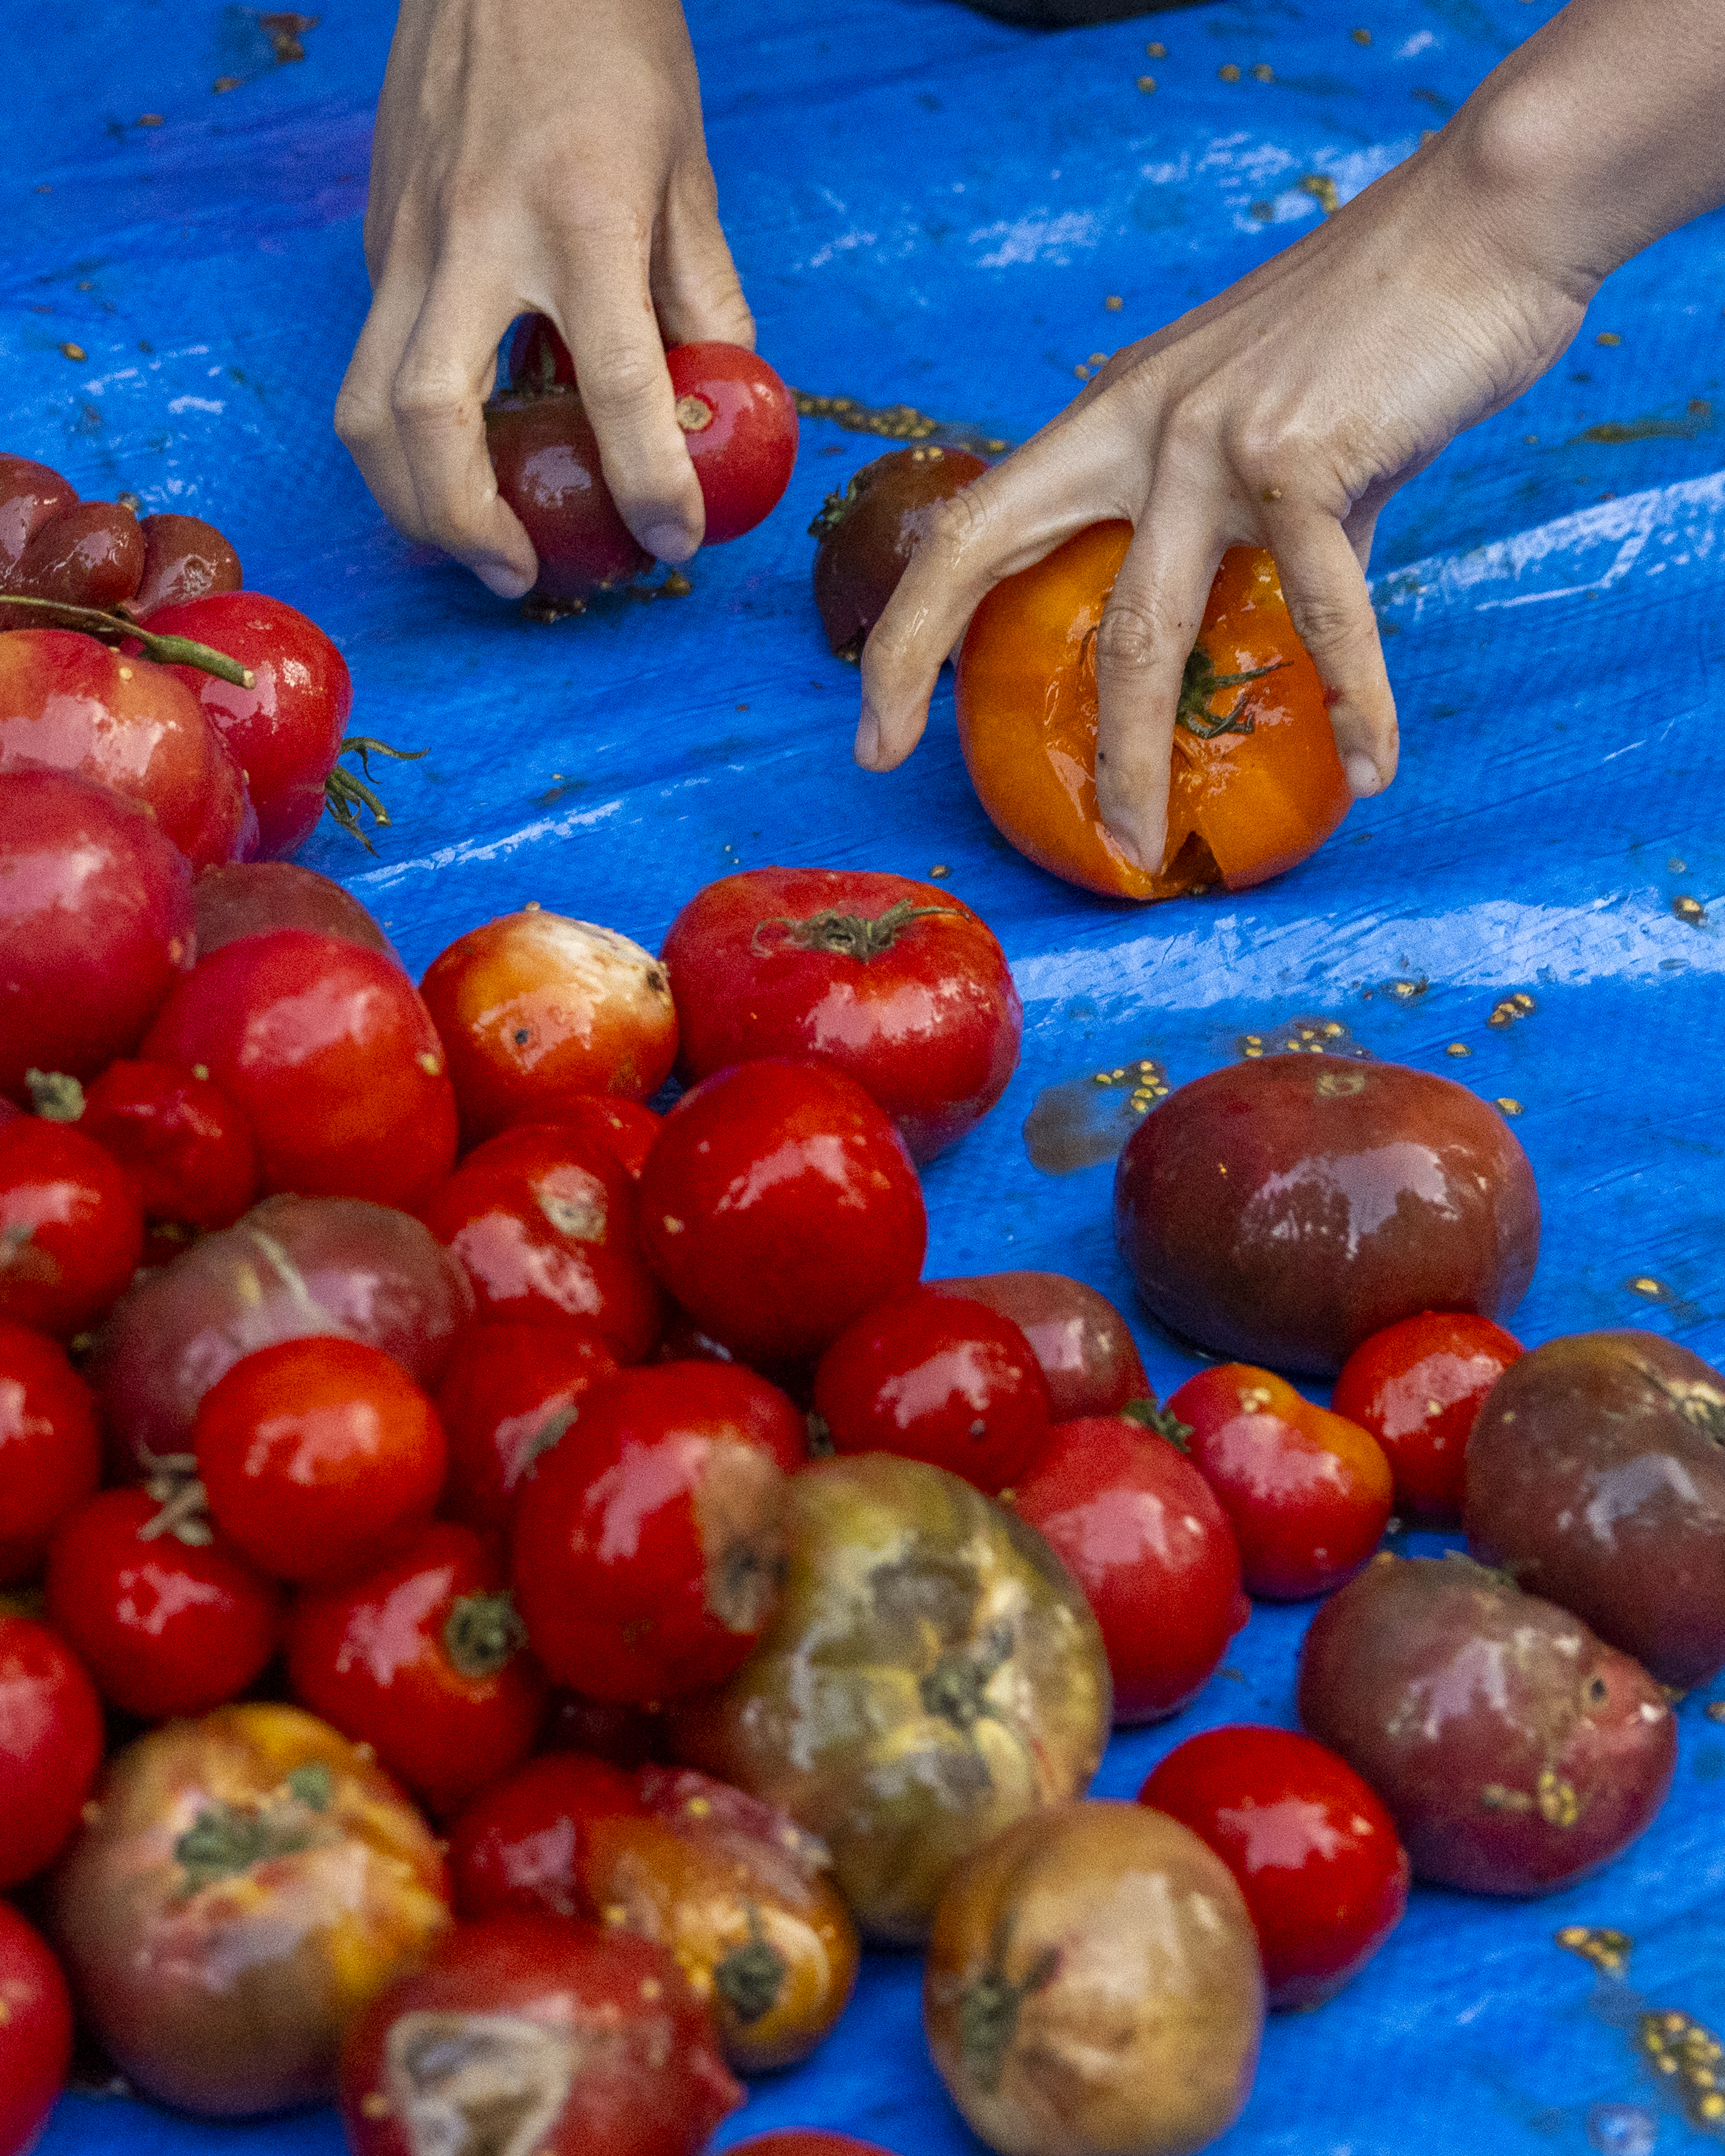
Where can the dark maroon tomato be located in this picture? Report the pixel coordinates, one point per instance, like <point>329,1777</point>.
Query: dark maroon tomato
<point>90,555</point>
<point>739,425</point>
<point>50,1746</point>
<point>249,898</point>
<point>185,1148</point>
<point>937,1377</point>
<point>1515,1751</point>
<point>1417,1387</point>
<point>867,535</point>
<point>1087,1353</point>
<point>547,459</point>
<point>617,1730</point>
<point>30,494</point>
<point>70,1230</point>
<point>523,1844</point>
<point>1595,1471</point>
<point>51,1450</point>
<point>1141,1532</point>
<point>509,1391</point>
<point>807,2140</point>
<point>35,2032</point>
<point>1283,1210</point>
<point>1314,1852</point>
<point>595,2033</point>
<point>167,1619</point>
<point>898,983</point>
<point>535,357</point>
<point>778,1204</point>
<point>184,559</point>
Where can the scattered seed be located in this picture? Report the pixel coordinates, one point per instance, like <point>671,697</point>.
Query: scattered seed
<point>1082,372</point>
<point>1228,72</point>
<point>1113,303</point>
<point>1458,1048</point>
<point>76,352</point>
<point>1156,52</point>
<point>1263,72</point>
<point>1322,190</point>
<point>1506,1106</point>
<point>1607,336</point>
<point>1362,37</point>
<point>224,83</point>
<point>938,869</point>
<point>1147,82</point>
<point>1684,906</point>
<point>149,120</point>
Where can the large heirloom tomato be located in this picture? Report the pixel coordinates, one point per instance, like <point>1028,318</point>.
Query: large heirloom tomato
<point>1256,785</point>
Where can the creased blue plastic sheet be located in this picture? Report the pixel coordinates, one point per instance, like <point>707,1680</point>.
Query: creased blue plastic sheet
<point>930,208</point>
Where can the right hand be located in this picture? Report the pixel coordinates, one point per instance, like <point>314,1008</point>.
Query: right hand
<point>534,155</point>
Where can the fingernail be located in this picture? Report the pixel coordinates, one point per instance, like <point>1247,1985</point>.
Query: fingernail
<point>499,578</point>
<point>867,748</point>
<point>670,542</point>
<point>1362,779</point>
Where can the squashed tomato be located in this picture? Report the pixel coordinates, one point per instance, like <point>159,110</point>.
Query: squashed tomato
<point>1256,784</point>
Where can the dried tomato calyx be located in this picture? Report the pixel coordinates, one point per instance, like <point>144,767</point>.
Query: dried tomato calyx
<point>482,1633</point>
<point>173,1485</point>
<point>165,650</point>
<point>694,415</point>
<point>1201,683</point>
<point>752,1976</point>
<point>988,2017</point>
<point>226,1839</point>
<point>846,934</point>
<point>838,506</point>
<point>1163,1420</point>
<point>56,1095</point>
<point>344,795</point>
<point>958,1685</point>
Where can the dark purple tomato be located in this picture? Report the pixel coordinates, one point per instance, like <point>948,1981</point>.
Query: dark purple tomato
<point>547,457</point>
<point>1087,1353</point>
<point>184,559</point>
<point>868,532</point>
<point>249,898</point>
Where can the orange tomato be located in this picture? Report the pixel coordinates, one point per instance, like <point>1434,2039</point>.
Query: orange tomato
<point>1256,784</point>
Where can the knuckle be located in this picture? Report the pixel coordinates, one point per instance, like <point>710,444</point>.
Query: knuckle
<point>1135,635</point>
<point>621,381</point>
<point>953,526</point>
<point>1325,620</point>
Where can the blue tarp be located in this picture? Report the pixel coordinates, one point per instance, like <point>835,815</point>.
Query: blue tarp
<point>929,208</point>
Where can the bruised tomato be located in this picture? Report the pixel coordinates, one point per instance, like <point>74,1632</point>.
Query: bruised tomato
<point>1417,1387</point>
<point>1256,784</point>
<point>184,558</point>
<point>867,534</point>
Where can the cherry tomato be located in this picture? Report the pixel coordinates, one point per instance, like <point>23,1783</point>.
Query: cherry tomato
<point>898,983</point>
<point>626,1127</point>
<point>35,2032</point>
<point>940,1379</point>
<point>87,554</point>
<point>523,1844</point>
<point>534,1007</point>
<point>1085,1349</point>
<point>249,898</point>
<point>318,1455</point>
<point>328,1052</point>
<point>545,1223</point>
<point>185,1149</point>
<point>596,2034</point>
<point>509,1391</point>
<point>50,1448</point>
<point>649,1542</point>
<point>739,425</point>
<point>50,1746</point>
<point>1417,1387</point>
<point>546,456</point>
<point>30,494</point>
<point>422,1660</point>
<point>1308,1492</point>
<point>184,559</point>
<point>167,1621</point>
<point>1257,784</point>
<point>867,534</point>
<point>778,1204</point>
<point>1314,1852</point>
<point>70,1230</point>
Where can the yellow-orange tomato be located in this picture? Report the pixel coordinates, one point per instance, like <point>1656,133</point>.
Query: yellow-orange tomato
<point>1256,784</point>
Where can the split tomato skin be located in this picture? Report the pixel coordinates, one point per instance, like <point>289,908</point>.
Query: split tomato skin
<point>186,1151</point>
<point>896,983</point>
<point>739,425</point>
<point>510,1390</point>
<point>1085,1348</point>
<point>1308,1492</point>
<point>1311,1848</point>
<point>51,1739</point>
<point>868,533</point>
<point>184,559</point>
<point>546,456</point>
<point>1417,1387</point>
<point>71,1231</point>
<point>50,1447</point>
<point>523,1844</point>
<point>35,2032</point>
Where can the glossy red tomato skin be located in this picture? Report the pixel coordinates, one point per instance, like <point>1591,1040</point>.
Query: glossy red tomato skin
<point>51,1739</point>
<point>796,961</point>
<point>739,425</point>
<point>95,924</point>
<point>164,1626</point>
<point>1145,1537</point>
<point>71,1233</point>
<point>285,731</point>
<point>510,1390</point>
<point>89,555</point>
<point>522,1845</point>
<point>1084,1345</point>
<point>249,898</point>
<point>1307,1492</point>
<point>50,1447</point>
<point>604,2020</point>
<point>807,2140</point>
<point>940,1379</point>
<point>626,1128</point>
<point>318,1456</point>
<point>328,1054</point>
<point>424,1660</point>
<point>649,1544</point>
<point>545,1222</point>
<point>35,2033</point>
<point>777,1260</point>
<point>1417,1387</point>
<point>546,456</point>
<point>1314,1850</point>
<point>185,1149</point>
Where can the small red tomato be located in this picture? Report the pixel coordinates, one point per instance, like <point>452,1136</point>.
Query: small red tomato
<point>1313,1850</point>
<point>739,425</point>
<point>1085,1348</point>
<point>50,1448</point>
<point>35,2032</point>
<point>546,456</point>
<point>533,1007</point>
<point>940,1379</point>
<point>89,554</point>
<point>328,1052</point>
<point>1417,1387</point>
<point>898,984</point>
<point>185,1147</point>
<point>1308,1492</point>
<point>50,1746</point>
<point>511,1391</point>
<point>544,1222</point>
<point>166,1620</point>
<point>1142,1534</point>
<point>30,494</point>
<point>523,1844</point>
<point>778,1204</point>
<point>423,1659</point>
<point>70,1230</point>
<point>626,1127</point>
<point>649,1544</point>
<point>318,1455</point>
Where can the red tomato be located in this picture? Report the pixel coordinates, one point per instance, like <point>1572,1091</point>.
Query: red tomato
<point>597,2031</point>
<point>1085,1348</point>
<point>35,2033</point>
<point>649,1542</point>
<point>806,2141</point>
<point>739,425</point>
<point>523,1844</point>
<point>318,1455</point>
<point>55,546</point>
<point>249,898</point>
<point>898,983</point>
<point>625,1126</point>
<point>70,1231</point>
<point>544,1222</point>
<point>1313,1850</point>
<point>30,494</point>
<point>1142,1534</point>
<point>166,1621</point>
<point>328,1052</point>
<point>422,1660</point>
<point>1417,1387</point>
<point>509,1392</point>
<point>778,1204</point>
<point>50,1448</point>
<point>1308,1491</point>
<point>186,1148</point>
<point>546,456</point>
<point>50,1746</point>
<point>940,1379</point>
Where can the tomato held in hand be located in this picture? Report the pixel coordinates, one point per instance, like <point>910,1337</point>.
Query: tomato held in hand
<point>50,1449</point>
<point>739,425</point>
<point>1417,1387</point>
<point>50,1746</point>
<point>510,1390</point>
<point>1257,783</point>
<point>70,1230</point>
<point>1307,1492</point>
<point>1313,1850</point>
<point>186,1148</point>
<point>546,456</point>
<point>35,2033</point>
<point>523,1844</point>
